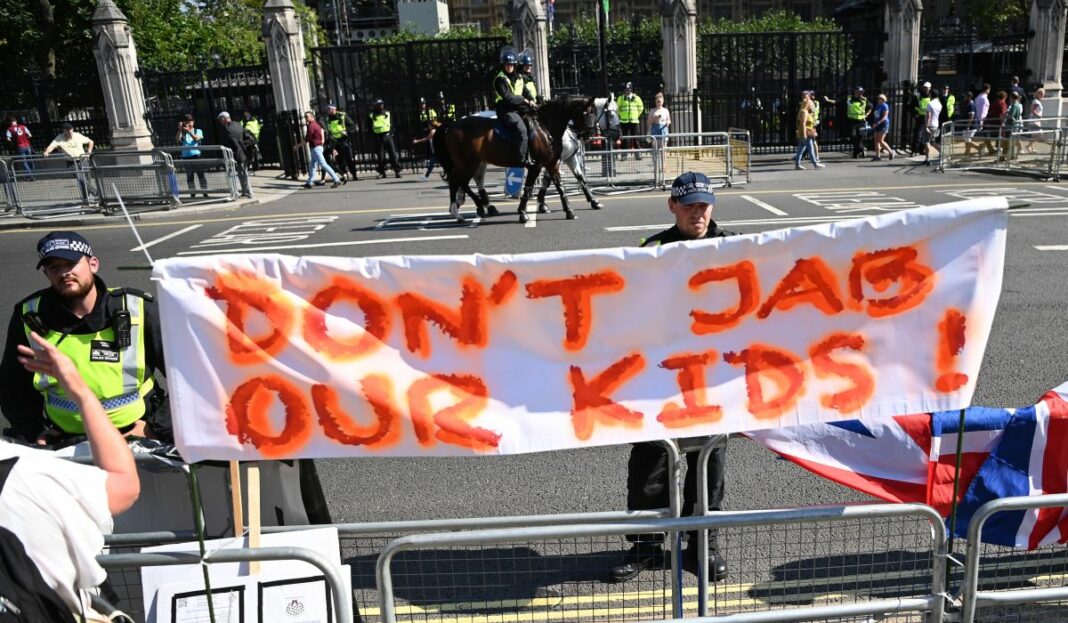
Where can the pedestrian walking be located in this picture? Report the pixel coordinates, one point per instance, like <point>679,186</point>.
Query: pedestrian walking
<point>18,137</point>
<point>252,127</point>
<point>313,138</point>
<point>630,107</point>
<point>970,122</point>
<point>881,128</point>
<point>806,134</point>
<point>994,120</point>
<point>1035,118</point>
<point>76,146</point>
<point>232,136</point>
<point>431,127</point>
<point>1016,88</point>
<point>857,111</point>
<point>382,129</point>
<point>920,99</point>
<point>1014,125</point>
<point>659,122</point>
<point>982,110</point>
<point>340,128</point>
<point>190,137</point>
<point>931,129</point>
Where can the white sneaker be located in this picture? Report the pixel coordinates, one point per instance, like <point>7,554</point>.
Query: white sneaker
<point>424,178</point>
<point>799,167</point>
<point>820,165</point>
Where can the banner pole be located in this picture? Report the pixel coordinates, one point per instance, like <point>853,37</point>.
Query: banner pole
<point>956,493</point>
<point>254,514</point>
<point>235,498</point>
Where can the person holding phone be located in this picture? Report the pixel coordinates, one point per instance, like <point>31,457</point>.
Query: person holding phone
<point>190,137</point>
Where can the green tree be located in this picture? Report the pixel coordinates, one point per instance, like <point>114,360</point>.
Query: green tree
<point>991,17</point>
<point>772,21</point>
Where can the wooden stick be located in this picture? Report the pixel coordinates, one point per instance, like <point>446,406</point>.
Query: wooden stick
<point>254,513</point>
<point>236,498</point>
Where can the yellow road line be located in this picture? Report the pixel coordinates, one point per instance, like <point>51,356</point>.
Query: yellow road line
<point>632,197</point>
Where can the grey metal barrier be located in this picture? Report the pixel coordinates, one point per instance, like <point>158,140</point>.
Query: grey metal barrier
<point>741,151</point>
<point>1033,148</point>
<point>145,180</point>
<point>706,152</point>
<point>931,600</point>
<point>611,169</point>
<point>6,203</point>
<point>340,597</point>
<point>1047,566</point>
<point>503,576</point>
<point>208,172</point>
<point>869,555</point>
<point>51,186</point>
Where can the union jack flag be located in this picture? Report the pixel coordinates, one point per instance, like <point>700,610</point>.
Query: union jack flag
<point>912,458</point>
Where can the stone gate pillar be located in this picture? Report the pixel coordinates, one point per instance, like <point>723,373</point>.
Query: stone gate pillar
<point>1044,51</point>
<point>678,19</point>
<point>902,52</point>
<point>529,33</point>
<point>116,62</point>
<point>284,41</point>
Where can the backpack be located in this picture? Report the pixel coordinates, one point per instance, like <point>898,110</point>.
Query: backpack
<point>24,595</point>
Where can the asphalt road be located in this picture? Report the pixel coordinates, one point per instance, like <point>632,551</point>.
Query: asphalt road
<point>1024,357</point>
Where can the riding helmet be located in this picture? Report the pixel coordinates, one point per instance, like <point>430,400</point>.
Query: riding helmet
<point>508,58</point>
<point>524,59</point>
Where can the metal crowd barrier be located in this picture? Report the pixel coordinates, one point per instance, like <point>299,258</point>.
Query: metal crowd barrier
<point>212,175</point>
<point>6,204</point>
<point>707,152</point>
<point>930,602</point>
<point>50,186</point>
<point>340,597</point>
<point>741,143</point>
<point>610,168</point>
<point>1044,566</point>
<point>144,180</point>
<point>1036,148</point>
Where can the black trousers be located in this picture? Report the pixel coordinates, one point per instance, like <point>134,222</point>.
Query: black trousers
<point>516,126</point>
<point>855,127</point>
<point>345,160</point>
<point>647,482</point>
<point>630,129</point>
<point>386,146</point>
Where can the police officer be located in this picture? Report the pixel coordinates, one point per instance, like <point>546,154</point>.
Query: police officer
<point>691,202</point>
<point>382,129</point>
<point>508,88</point>
<point>426,113</point>
<point>111,334</point>
<point>949,105</point>
<point>446,112</point>
<point>920,100</point>
<point>340,127</point>
<point>857,110</point>
<point>630,115</point>
<point>253,127</point>
<point>530,88</point>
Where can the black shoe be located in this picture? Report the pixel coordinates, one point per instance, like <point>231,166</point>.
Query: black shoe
<point>717,566</point>
<point>397,174</point>
<point>638,559</point>
<point>306,186</point>
<point>320,183</point>
<point>335,185</point>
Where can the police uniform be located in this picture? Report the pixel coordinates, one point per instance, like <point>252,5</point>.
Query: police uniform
<point>382,128</point>
<point>117,348</point>
<point>857,110</point>
<point>630,108</point>
<point>648,469</point>
<point>919,114</point>
<point>508,100</point>
<point>339,128</point>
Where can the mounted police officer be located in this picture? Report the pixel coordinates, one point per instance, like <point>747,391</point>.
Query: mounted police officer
<point>340,128</point>
<point>382,129</point>
<point>111,334</point>
<point>530,87</point>
<point>857,110</point>
<point>508,87</point>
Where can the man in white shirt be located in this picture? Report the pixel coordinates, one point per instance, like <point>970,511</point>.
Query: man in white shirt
<point>72,143</point>
<point>982,108</point>
<point>931,128</point>
<point>60,510</point>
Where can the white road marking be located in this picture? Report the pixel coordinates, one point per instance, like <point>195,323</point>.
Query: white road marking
<point>1043,213</point>
<point>766,206</point>
<point>533,222</point>
<point>1051,247</point>
<point>1009,192</point>
<point>792,220</point>
<point>325,244</point>
<point>1060,188</point>
<point>164,238</point>
<point>856,200</point>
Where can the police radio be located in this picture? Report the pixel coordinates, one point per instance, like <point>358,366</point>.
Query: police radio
<point>120,322</point>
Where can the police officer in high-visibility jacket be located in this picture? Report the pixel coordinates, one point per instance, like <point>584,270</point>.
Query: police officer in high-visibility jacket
<point>111,334</point>
<point>857,110</point>
<point>630,117</point>
<point>508,87</point>
<point>340,128</point>
<point>382,129</point>
<point>530,87</point>
<point>446,111</point>
<point>920,101</point>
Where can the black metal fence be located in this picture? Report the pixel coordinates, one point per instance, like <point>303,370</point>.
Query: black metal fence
<point>754,81</point>
<point>204,93</point>
<point>46,104</point>
<point>353,76</point>
<point>575,65</point>
<point>963,60</point>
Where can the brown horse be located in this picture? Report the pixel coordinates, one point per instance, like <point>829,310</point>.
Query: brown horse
<point>464,148</point>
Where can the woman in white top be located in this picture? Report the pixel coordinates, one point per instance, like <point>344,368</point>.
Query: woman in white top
<point>659,120</point>
<point>1035,115</point>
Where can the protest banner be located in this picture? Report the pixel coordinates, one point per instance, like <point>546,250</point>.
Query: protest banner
<point>280,357</point>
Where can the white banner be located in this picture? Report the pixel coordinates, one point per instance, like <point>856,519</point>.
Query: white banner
<point>279,357</point>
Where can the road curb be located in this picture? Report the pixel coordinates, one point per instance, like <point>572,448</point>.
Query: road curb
<point>86,220</point>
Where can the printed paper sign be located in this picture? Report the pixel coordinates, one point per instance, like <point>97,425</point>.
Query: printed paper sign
<point>279,357</point>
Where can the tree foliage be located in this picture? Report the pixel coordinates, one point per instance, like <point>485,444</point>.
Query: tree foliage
<point>50,38</point>
<point>772,21</point>
<point>992,17</point>
<point>456,32</point>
